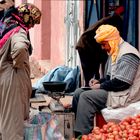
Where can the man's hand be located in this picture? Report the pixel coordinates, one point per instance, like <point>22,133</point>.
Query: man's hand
<point>96,86</point>
<point>93,82</point>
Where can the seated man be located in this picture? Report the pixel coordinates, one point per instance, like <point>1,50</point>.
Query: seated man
<point>120,86</point>
<point>88,49</point>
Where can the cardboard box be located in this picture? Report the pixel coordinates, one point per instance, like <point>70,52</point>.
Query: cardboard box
<point>66,124</point>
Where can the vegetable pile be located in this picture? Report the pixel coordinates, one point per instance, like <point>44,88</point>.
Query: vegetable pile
<point>127,129</point>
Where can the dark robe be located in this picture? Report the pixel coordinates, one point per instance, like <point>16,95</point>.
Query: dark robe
<point>90,52</point>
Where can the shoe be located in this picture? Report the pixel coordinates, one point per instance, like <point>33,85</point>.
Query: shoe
<point>78,135</point>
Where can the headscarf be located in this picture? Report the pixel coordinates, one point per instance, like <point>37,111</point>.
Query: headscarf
<point>29,14</point>
<point>110,34</point>
<point>24,16</point>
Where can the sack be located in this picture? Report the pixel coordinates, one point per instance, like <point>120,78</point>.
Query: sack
<point>43,126</point>
<point>112,114</point>
<point>61,73</point>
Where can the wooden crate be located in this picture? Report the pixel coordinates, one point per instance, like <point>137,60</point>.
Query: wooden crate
<point>66,124</point>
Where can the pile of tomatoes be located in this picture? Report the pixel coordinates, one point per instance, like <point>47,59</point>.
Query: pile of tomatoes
<point>127,129</point>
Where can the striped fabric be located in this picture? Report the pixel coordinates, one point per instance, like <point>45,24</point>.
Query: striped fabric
<point>127,67</point>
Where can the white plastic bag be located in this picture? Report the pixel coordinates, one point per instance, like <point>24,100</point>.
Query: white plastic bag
<point>119,114</point>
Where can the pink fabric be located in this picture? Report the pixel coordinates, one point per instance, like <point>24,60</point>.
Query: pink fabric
<point>7,35</point>
<point>21,22</point>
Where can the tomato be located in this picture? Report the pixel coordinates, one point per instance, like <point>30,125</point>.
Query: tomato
<point>134,124</point>
<point>115,127</point>
<point>110,135</point>
<point>103,137</point>
<point>84,137</point>
<point>131,131</point>
<point>133,121</point>
<point>138,116</point>
<point>120,133</point>
<point>105,127</point>
<point>128,127</point>
<point>136,132</point>
<point>125,123</point>
<point>115,133</point>
<point>123,127</point>
<point>124,135</point>
<point>97,137</point>
<point>111,124</point>
<point>117,137</point>
<point>138,126</point>
<point>137,120</point>
<point>110,130</point>
<point>102,130</point>
<point>90,136</point>
<point>96,131</point>
<point>128,119</point>
<point>133,138</point>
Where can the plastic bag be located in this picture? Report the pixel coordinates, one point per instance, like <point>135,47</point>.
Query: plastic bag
<point>61,73</point>
<point>43,126</point>
<point>119,114</point>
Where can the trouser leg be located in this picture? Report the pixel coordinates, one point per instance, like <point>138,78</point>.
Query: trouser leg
<point>76,99</point>
<point>89,103</point>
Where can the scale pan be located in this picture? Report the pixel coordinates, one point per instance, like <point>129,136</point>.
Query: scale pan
<point>54,86</point>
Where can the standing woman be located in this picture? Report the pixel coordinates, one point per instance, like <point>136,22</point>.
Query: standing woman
<point>15,83</point>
